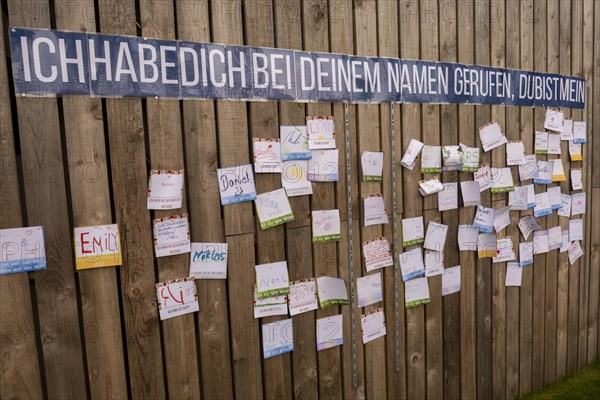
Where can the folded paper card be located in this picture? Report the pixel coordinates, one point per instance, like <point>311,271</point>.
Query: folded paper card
<point>501,218</point>
<point>171,235</point>
<point>528,224</point>
<point>540,242</point>
<point>452,158</point>
<point>484,176</point>
<point>294,143</point>
<point>528,170</point>
<point>97,246</point>
<point>326,226</point>
<point>273,209</point>
<point>372,165</point>
<point>165,189</point>
<point>277,338</point>
<point>321,132</point>
<point>208,261</point>
<point>236,184</point>
<point>554,238</point>
<point>332,291</point>
<point>504,250</point>
<point>430,186</point>
<point>303,296</point>
<point>272,279</point>
<point>575,252</point>
<point>410,155</point>
<point>22,250</point>
<point>575,151</point>
<point>177,297</point>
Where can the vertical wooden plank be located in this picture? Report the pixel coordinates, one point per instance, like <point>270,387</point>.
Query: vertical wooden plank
<point>264,122</point>
<point>20,374</point>
<point>541,261</point>
<point>513,132</point>
<point>412,206</point>
<point>130,183</point>
<point>596,95</point>
<point>90,199</point>
<point>449,135</point>
<point>594,250</point>
<point>206,219</point>
<point>315,35</point>
<point>564,276</point>
<point>387,26</point>
<point>368,134</point>
<point>239,220</point>
<point>430,125</point>
<point>551,306</point>
<point>46,202</point>
<point>527,127</point>
<point>483,272</point>
<point>166,152</point>
<point>467,135</point>
<point>498,290</point>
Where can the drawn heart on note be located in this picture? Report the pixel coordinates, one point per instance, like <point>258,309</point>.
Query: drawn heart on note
<point>29,232</point>
<point>498,251</point>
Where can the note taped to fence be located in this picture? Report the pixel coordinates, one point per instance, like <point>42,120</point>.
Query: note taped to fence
<point>330,332</point>
<point>22,250</point>
<point>97,246</point>
<point>177,297</point>
<point>165,189</point>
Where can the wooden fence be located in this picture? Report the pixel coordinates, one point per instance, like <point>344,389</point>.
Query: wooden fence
<point>76,161</point>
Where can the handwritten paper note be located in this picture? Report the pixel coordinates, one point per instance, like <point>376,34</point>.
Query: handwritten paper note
<point>273,209</point>
<point>374,210</point>
<point>502,180</point>
<point>97,246</point>
<point>452,158</point>
<point>541,142</point>
<point>416,292</point>
<point>369,290</point>
<point>484,177</point>
<point>377,254</point>
<point>565,241</point>
<point>278,338</point>
<point>554,143</point>
<point>435,238</point>
<point>554,119</point>
<point>555,197</point>
<point>267,155</point>
<point>565,210</point>
<point>430,186</point>
<point>501,218</point>
<point>554,238</point>
<point>558,171</point>
<point>575,151</point>
<point>544,172</point>
<point>486,245</point>
<point>411,264</point>
<point>576,182</point>
<point>372,325</point>
<point>331,291</point>
<point>269,306</point>
<point>543,206</point>
<point>491,136</point>
<point>171,235</point>
<point>165,189</point>
<point>517,199</point>
<point>526,254</point>
<point>578,204</point>
<point>413,231</point>
<point>514,274</point>
<point>504,250</point>
<point>323,166</point>
<point>575,229</point>
<point>410,155</point>
<point>448,198</point>
<point>372,166</point>
<point>294,143</point>
<point>470,158</point>
<point>22,250</point>
<point>540,242</point>
<point>579,132</point>
<point>471,193</point>
<point>484,219</point>
<point>434,263</point>
<point>528,170</point>
<point>431,159</point>
<point>321,132</point>
<point>236,184</point>
<point>566,132</point>
<point>326,226</point>
<point>176,297</point>
<point>330,332</point>
<point>272,279</point>
<point>303,296</point>
<point>294,178</point>
<point>515,153</point>
<point>574,251</point>
<point>528,224</point>
<point>451,280</point>
<point>467,237</point>
<point>208,261</point>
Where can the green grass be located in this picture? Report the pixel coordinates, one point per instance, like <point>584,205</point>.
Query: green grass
<point>584,384</point>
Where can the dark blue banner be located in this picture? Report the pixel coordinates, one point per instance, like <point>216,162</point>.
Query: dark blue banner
<point>48,63</point>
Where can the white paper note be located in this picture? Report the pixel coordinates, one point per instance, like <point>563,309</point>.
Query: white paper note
<point>369,289</point>
<point>372,165</point>
<point>278,338</point>
<point>554,119</point>
<point>448,198</point>
<point>431,159</point>
<point>501,218</point>
<point>565,241</point>
<point>554,238</point>
<point>326,226</point>
<point>410,155</point>
<point>470,158</point>
<point>555,197</point>
<point>273,209</point>
<point>575,229</point>
<point>331,291</point>
<point>269,306</point>
<point>22,250</point>
<point>294,178</point>
<point>321,132</point>
<point>323,166</point>
<point>176,297</point>
<point>451,280</point>
<point>484,219</point>
<point>578,204</point>
<point>558,171</point>
<point>528,224</point>
<point>267,155</point>
<point>434,263</point>
<point>502,180</point>
<point>544,173</point>
<point>413,231</point>
<point>377,254</point>
<point>330,332</point>
<point>576,183</point>
<point>529,169</point>
<point>579,132</point>
<point>372,325</point>
<point>484,177</point>
<point>435,238</point>
<point>543,206</point>
<point>565,210</point>
<point>541,142</point>
<point>165,189</point>
<point>416,292</point>
<point>540,242</point>
<point>517,199</point>
<point>471,193</point>
<point>236,184</point>
<point>430,186</point>
<point>208,260</point>
<point>467,237</point>
<point>515,153</point>
<point>294,143</point>
<point>566,132</point>
<point>374,210</point>
<point>272,279</point>
<point>491,136</point>
<point>171,235</point>
<point>411,264</point>
<point>514,273</point>
<point>526,254</point>
<point>554,143</point>
<point>303,296</point>
<point>504,250</point>
<point>575,251</point>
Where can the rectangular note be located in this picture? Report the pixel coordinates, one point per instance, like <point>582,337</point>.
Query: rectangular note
<point>171,235</point>
<point>267,155</point>
<point>273,209</point>
<point>372,325</point>
<point>330,332</point>
<point>97,246</point>
<point>278,338</point>
<point>294,143</point>
<point>303,296</point>
<point>165,189</point>
<point>176,297</point>
<point>236,184</point>
<point>208,261</point>
<point>369,289</point>
<point>22,250</point>
<point>451,280</point>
